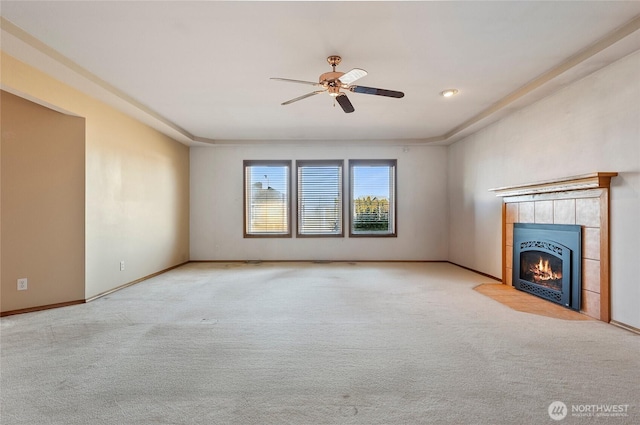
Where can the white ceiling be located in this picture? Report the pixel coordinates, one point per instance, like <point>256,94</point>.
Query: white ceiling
<point>202,69</point>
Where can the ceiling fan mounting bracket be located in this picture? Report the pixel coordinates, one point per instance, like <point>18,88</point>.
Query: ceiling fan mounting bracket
<point>334,60</point>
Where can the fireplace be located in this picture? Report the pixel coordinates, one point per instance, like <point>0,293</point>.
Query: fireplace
<point>547,262</point>
<point>576,200</point>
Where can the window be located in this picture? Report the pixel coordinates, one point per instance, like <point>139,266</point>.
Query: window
<point>372,197</point>
<point>319,198</point>
<point>266,199</point>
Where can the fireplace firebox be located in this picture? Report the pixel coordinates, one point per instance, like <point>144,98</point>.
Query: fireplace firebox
<point>546,262</point>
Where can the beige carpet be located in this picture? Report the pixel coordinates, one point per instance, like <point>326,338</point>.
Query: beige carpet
<point>303,343</point>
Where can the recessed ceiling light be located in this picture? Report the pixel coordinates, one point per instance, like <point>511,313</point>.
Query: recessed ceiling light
<point>449,92</point>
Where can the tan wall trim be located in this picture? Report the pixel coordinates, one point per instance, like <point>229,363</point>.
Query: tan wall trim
<point>40,308</point>
<point>126,285</point>
<point>67,304</point>
<point>476,271</point>
<point>70,303</point>
<point>321,261</point>
<point>625,326</point>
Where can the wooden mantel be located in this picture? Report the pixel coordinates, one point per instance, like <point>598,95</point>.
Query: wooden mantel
<point>581,200</point>
<point>585,181</point>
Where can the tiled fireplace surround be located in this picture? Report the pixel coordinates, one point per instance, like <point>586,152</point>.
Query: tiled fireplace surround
<point>582,200</point>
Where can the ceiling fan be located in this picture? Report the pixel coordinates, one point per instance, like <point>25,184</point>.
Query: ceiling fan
<point>334,82</point>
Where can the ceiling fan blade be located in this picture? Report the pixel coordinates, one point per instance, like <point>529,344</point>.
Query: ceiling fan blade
<point>378,92</point>
<point>288,80</point>
<point>353,75</point>
<point>345,103</point>
<point>304,96</point>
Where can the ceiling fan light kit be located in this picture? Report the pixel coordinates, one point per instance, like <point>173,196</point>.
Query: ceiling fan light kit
<point>336,82</point>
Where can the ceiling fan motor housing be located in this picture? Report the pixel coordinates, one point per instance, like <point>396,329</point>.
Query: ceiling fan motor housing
<point>330,77</point>
<point>330,80</point>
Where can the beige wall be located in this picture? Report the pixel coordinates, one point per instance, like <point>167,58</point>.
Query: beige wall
<point>217,208</point>
<point>591,125</point>
<point>43,204</point>
<point>137,185</point>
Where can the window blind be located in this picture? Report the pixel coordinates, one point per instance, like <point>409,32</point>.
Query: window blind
<point>319,198</point>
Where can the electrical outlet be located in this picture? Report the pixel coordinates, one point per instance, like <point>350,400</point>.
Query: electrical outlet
<point>122,265</point>
<point>22,284</point>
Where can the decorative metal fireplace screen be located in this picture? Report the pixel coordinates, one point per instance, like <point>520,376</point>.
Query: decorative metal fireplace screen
<point>546,262</point>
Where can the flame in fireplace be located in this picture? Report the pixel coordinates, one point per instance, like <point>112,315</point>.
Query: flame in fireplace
<point>542,271</point>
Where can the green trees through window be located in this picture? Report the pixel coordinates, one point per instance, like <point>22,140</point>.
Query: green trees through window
<point>371,213</point>
<point>373,200</point>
